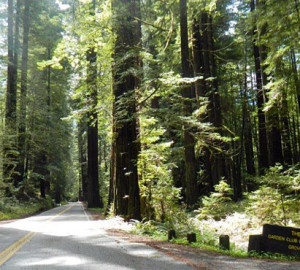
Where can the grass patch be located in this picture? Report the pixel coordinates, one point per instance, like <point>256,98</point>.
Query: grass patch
<point>96,213</point>
<point>96,210</point>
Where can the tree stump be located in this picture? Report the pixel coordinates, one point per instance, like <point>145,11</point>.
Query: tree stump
<point>224,242</point>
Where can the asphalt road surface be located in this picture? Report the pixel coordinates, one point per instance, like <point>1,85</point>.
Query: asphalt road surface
<point>65,238</point>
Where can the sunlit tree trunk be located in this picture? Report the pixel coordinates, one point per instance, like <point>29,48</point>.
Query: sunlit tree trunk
<point>128,40</point>
<point>82,149</point>
<point>93,191</point>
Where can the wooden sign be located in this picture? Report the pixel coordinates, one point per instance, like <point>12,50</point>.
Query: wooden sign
<point>280,239</point>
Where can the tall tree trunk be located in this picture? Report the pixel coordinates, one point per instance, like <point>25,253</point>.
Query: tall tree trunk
<point>263,159</point>
<point>23,112</point>
<point>201,68</point>
<point>188,96</point>
<point>94,199</point>
<point>286,139</point>
<point>275,143</point>
<point>248,141</point>
<point>112,173</point>
<point>214,163</point>
<point>219,168</point>
<point>82,149</point>
<point>16,40</point>
<point>128,40</point>
<point>11,96</point>
<point>11,73</point>
<point>295,142</point>
<point>198,62</point>
<point>272,115</point>
<point>295,75</point>
<point>40,168</point>
<point>44,162</point>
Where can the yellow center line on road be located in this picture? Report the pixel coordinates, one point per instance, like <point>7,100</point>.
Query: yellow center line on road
<point>13,248</point>
<point>61,213</point>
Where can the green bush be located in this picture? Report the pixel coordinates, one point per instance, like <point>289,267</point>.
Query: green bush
<point>218,204</point>
<point>158,195</point>
<point>277,199</point>
<point>11,208</point>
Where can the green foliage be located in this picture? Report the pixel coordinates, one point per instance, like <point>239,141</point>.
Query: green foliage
<point>11,207</point>
<point>153,228</point>
<point>277,199</point>
<point>266,204</point>
<point>158,193</point>
<point>218,204</point>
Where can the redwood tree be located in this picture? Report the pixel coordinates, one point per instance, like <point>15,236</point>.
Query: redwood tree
<point>23,94</point>
<point>93,196</point>
<point>126,80</point>
<point>188,96</point>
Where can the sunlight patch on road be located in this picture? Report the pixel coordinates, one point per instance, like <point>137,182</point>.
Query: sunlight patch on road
<point>147,253</point>
<point>138,250</point>
<point>60,260</point>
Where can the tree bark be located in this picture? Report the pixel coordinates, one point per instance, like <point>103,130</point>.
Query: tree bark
<point>112,176</point>
<point>23,94</point>
<point>272,115</point>
<point>286,138</point>
<point>45,183</point>
<point>11,95</point>
<point>82,149</point>
<point>11,73</point>
<point>94,199</point>
<point>201,67</point>
<point>295,75</point>
<point>219,166</point>
<point>263,159</point>
<point>248,141</point>
<point>188,96</point>
<point>128,40</point>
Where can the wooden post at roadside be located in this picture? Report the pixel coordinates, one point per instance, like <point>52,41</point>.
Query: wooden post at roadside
<point>224,242</point>
<point>191,237</point>
<point>255,243</point>
<point>171,234</point>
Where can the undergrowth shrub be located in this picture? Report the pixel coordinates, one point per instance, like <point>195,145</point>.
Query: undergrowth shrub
<point>218,204</point>
<point>160,199</point>
<point>277,199</point>
<point>11,207</point>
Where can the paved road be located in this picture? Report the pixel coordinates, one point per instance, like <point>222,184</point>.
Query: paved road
<point>65,238</point>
